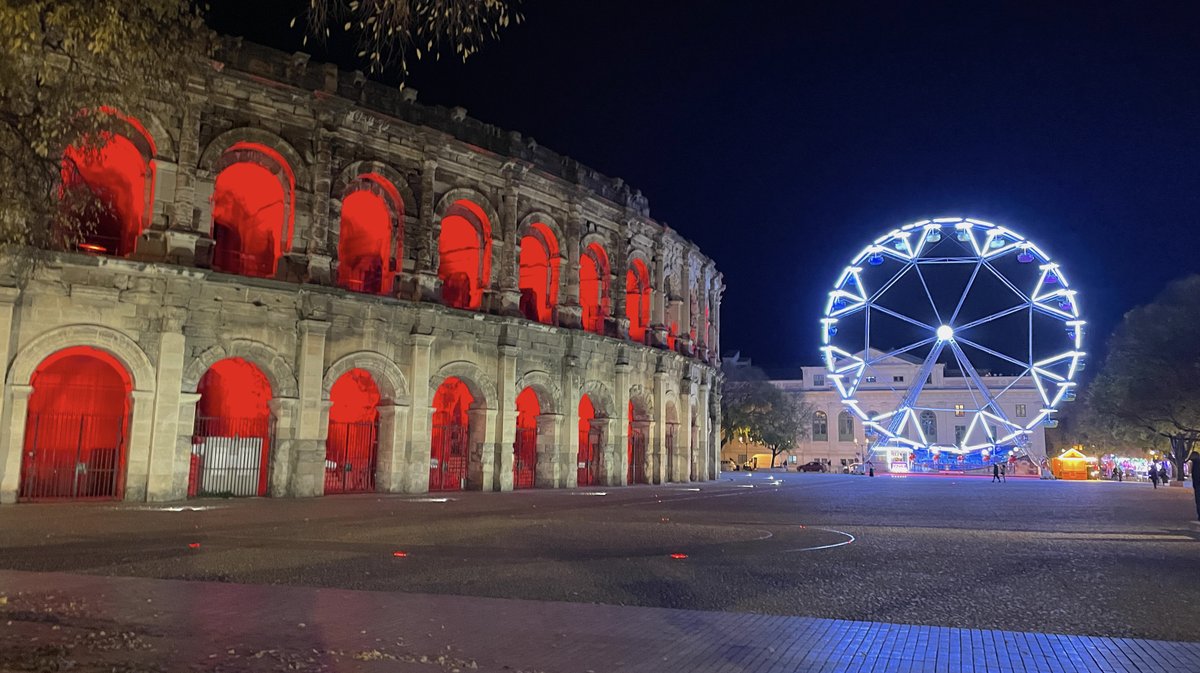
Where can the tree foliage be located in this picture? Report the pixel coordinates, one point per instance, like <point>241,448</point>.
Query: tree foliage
<point>1148,387</point>
<point>390,31</point>
<point>66,68</point>
<point>755,411</point>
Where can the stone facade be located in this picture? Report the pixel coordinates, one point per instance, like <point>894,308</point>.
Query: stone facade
<point>166,315</point>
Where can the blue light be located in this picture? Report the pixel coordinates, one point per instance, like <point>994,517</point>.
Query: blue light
<point>1025,257</point>
<point>1051,278</point>
<point>999,242</point>
<point>875,259</point>
<point>832,330</point>
<point>934,236</point>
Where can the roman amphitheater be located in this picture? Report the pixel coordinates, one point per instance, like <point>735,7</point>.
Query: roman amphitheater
<point>305,283</point>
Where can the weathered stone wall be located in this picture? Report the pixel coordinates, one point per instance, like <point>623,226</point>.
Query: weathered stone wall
<point>167,317</point>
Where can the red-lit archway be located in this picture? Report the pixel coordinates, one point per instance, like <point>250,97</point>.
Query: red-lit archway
<point>231,443</point>
<point>449,452</point>
<point>465,255</point>
<point>108,187</point>
<point>372,216</point>
<point>589,444</point>
<point>253,209</point>
<point>636,470</point>
<point>352,442</point>
<point>637,300</point>
<point>525,446</point>
<point>75,431</point>
<point>538,278</point>
<point>593,287</point>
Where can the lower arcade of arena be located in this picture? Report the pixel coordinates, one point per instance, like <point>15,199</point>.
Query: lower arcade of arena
<point>85,427</point>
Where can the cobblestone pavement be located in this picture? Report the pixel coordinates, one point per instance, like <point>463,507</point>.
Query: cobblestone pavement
<point>1095,559</point>
<point>171,625</point>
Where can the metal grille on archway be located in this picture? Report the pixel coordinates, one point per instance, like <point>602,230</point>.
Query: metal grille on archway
<point>448,461</point>
<point>75,456</point>
<point>229,457</point>
<point>589,458</point>
<point>525,458</point>
<point>636,473</point>
<point>350,455</point>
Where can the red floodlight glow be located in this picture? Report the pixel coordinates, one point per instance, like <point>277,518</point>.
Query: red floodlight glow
<point>400,554</point>
<point>678,556</point>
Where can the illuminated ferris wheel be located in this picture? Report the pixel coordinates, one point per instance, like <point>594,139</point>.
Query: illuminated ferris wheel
<point>953,320</point>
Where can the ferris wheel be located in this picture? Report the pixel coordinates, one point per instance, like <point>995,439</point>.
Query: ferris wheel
<point>981,322</point>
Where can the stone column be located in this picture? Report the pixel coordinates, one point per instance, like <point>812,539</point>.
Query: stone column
<point>712,453</point>
<point>504,433</point>
<point>569,312</point>
<point>10,462</point>
<point>319,254</point>
<point>550,463</point>
<point>168,459</point>
<point>286,456</point>
<point>415,472</point>
<point>15,410</point>
<point>425,262</point>
<point>619,261</point>
<point>699,453</point>
<point>312,417</point>
<point>616,460</point>
<point>683,434</point>
<point>507,281</point>
<point>391,462</point>
<point>716,319</point>
<point>569,404</point>
<point>183,228</point>
<point>485,468</point>
<point>137,445</point>
<point>658,299</point>
<point>656,452</point>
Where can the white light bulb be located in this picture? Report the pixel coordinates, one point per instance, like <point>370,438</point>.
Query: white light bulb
<point>945,333</point>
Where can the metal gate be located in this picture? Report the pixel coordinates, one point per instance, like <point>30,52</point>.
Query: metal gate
<point>229,457</point>
<point>350,453</point>
<point>73,457</point>
<point>525,458</point>
<point>589,458</point>
<point>448,459</point>
<point>672,433</point>
<point>636,474</point>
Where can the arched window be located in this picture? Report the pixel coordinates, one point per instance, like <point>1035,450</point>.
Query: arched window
<point>253,208</point>
<point>372,217</point>
<point>929,425</point>
<point>593,287</point>
<point>465,255</point>
<point>538,273</point>
<point>637,300</point>
<point>108,187</point>
<point>845,427</point>
<point>820,428</point>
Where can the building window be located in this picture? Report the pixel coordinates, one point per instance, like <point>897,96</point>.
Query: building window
<point>870,379</point>
<point>845,427</point>
<point>959,410</point>
<point>820,427</point>
<point>897,379</point>
<point>929,426</point>
<point>818,380</point>
<point>1020,411</point>
<point>960,431</point>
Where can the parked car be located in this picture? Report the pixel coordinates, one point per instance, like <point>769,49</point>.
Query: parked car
<point>814,466</point>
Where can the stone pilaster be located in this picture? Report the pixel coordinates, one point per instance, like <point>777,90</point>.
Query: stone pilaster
<point>507,281</point>
<point>16,407</point>
<point>10,463</point>
<point>616,460</point>
<point>569,312</point>
<point>658,300</point>
<point>425,257</point>
<point>506,415</point>
<point>550,464</point>
<point>137,444</point>
<point>656,449</point>
<point>312,418</point>
<point>168,459</point>
<point>392,461</point>
<point>701,451</point>
<point>288,453</point>
<point>415,474</point>
<point>568,403</point>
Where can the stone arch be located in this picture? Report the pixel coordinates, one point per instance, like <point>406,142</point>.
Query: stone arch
<point>109,340</point>
<point>481,386</point>
<point>164,142</point>
<point>273,365</point>
<point>216,148</point>
<point>601,397</point>
<point>542,217</point>
<point>356,168</point>
<point>548,392</point>
<point>387,374</point>
<point>465,194</point>
<point>642,400</point>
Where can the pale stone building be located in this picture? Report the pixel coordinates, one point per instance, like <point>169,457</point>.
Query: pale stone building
<point>311,283</point>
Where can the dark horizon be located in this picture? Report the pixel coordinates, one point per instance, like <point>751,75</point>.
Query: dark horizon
<point>781,142</point>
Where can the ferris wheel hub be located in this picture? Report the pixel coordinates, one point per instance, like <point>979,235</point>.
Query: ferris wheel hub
<point>945,333</point>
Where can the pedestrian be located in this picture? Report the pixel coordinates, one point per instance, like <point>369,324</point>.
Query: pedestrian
<point>1120,474</point>
<point>1196,480</point>
<point>870,468</point>
<point>1003,472</point>
<point>995,472</point>
<point>1154,475</point>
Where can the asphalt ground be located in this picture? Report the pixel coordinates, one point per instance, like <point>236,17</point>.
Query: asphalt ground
<point>1096,558</point>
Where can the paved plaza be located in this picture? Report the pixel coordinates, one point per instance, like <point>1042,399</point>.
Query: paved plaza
<point>782,572</point>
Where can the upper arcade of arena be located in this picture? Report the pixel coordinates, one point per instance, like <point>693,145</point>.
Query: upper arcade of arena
<point>275,167</point>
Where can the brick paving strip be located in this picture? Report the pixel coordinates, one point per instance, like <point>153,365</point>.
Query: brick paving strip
<point>172,625</point>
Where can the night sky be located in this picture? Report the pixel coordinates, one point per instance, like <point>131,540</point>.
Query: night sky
<point>782,138</point>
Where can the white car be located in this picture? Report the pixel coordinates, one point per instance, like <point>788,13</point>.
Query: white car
<point>854,468</point>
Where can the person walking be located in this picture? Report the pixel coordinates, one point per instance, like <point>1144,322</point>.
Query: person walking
<point>995,472</point>
<point>1003,473</point>
<point>1195,460</point>
<point>1154,475</point>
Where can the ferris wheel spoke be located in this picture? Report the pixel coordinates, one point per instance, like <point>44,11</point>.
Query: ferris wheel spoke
<point>994,316</point>
<point>888,284</point>
<point>965,292</point>
<point>901,316</point>
<point>1004,279</point>
<point>993,353</point>
<point>936,314</point>
<point>901,351</point>
<point>984,391</point>
<point>914,389</point>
